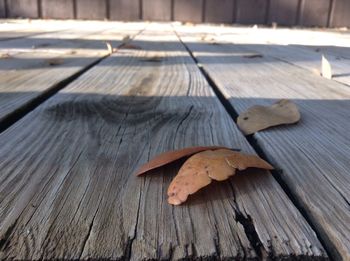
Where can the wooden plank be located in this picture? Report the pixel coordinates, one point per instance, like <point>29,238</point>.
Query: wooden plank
<point>78,197</point>
<point>315,151</point>
<point>62,9</point>
<point>26,73</point>
<point>156,10</point>
<point>283,12</point>
<point>91,9</point>
<point>251,11</point>
<point>314,12</point>
<point>23,8</point>
<point>340,15</point>
<point>219,11</point>
<point>303,48</point>
<point>124,10</point>
<point>188,10</point>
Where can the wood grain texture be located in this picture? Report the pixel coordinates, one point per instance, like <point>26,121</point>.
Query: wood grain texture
<point>70,193</point>
<point>251,11</point>
<point>314,13</point>
<point>315,151</point>
<point>340,15</point>
<point>125,10</point>
<point>188,10</point>
<point>26,73</point>
<point>156,10</point>
<point>283,12</point>
<point>219,11</point>
<point>59,9</point>
<point>23,8</point>
<point>91,9</point>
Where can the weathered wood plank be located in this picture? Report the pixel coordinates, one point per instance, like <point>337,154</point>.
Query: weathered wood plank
<point>340,16</point>
<point>125,10</point>
<point>283,12</point>
<point>23,8</point>
<point>76,197</point>
<point>314,12</point>
<point>156,10</point>
<point>188,10</point>
<point>315,151</point>
<point>303,48</point>
<point>251,11</point>
<point>219,11</point>
<point>62,9</point>
<point>27,71</point>
<point>91,9</point>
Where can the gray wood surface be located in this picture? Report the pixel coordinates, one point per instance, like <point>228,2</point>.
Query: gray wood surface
<point>23,8</point>
<point>67,187</point>
<point>156,10</point>
<point>91,9</point>
<point>251,11</point>
<point>188,10</point>
<point>125,10</point>
<point>219,11</point>
<point>26,73</point>
<point>61,9</point>
<point>340,15</point>
<point>313,155</point>
<point>314,12</point>
<point>283,12</point>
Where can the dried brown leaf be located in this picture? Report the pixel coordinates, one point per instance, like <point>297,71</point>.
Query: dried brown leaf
<point>200,169</point>
<point>171,156</point>
<point>260,117</point>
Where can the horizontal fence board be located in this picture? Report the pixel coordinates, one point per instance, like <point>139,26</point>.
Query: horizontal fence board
<point>314,12</point>
<point>91,9</point>
<point>219,11</point>
<point>341,13</point>
<point>156,10</point>
<point>23,8</point>
<point>126,10</point>
<point>283,12</point>
<point>62,9</point>
<point>2,9</point>
<point>251,11</point>
<point>188,10</point>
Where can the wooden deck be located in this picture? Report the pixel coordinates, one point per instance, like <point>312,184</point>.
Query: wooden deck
<point>77,121</point>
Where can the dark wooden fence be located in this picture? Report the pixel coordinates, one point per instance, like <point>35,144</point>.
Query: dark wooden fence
<point>331,13</point>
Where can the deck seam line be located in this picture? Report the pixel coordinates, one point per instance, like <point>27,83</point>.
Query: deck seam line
<point>229,108</point>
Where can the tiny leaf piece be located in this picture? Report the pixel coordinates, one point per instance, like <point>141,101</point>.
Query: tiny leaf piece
<point>326,68</point>
<point>55,61</point>
<point>259,117</point>
<point>109,47</point>
<point>200,169</point>
<point>171,156</point>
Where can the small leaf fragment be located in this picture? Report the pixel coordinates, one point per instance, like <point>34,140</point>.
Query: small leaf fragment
<point>130,46</point>
<point>54,61</point>
<point>259,117</point>
<point>200,169</point>
<point>171,156</point>
<point>326,68</point>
